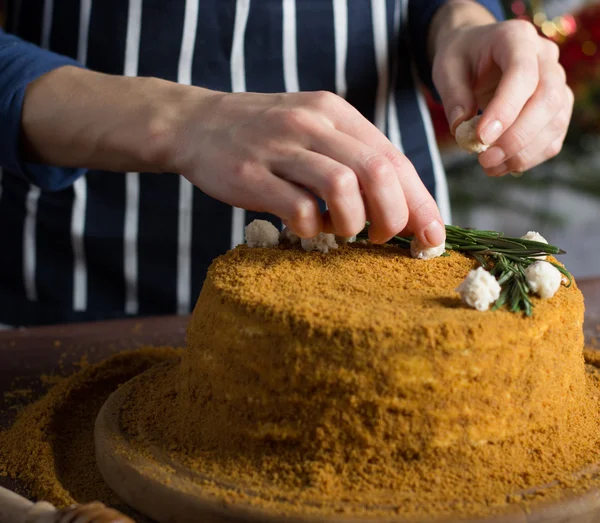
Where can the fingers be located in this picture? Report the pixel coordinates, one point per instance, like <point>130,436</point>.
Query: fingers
<point>375,176</point>
<point>520,83</point>
<point>545,146</point>
<point>282,148</point>
<point>453,81</point>
<point>394,194</point>
<point>332,181</point>
<point>513,54</point>
<point>550,100</point>
<point>424,219</point>
<point>265,192</point>
<point>420,212</point>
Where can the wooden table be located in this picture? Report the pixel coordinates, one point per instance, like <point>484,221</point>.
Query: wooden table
<point>28,353</point>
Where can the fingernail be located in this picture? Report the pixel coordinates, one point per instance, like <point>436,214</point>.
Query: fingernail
<point>492,132</point>
<point>516,175</point>
<point>493,157</point>
<point>499,170</point>
<point>456,114</point>
<point>434,233</point>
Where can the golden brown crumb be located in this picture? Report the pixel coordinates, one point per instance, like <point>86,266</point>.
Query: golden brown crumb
<point>338,383</point>
<point>357,382</point>
<point>50,447</point>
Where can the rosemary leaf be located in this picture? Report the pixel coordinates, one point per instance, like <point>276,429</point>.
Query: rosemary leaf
<point>504,257</point>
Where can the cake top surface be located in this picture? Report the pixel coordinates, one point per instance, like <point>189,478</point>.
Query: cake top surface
<point>367,287</point>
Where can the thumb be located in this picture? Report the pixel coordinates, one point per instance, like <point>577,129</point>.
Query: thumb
<point>453,81</point>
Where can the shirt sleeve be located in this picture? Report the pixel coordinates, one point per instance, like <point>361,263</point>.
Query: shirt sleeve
<point>420,14</point>
<point>20,64</point>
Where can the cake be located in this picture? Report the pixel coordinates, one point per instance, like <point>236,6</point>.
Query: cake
<point>358,377</point>
<point>287,340</point>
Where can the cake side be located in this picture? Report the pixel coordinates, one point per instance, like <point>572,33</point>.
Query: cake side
<point>369,353</point>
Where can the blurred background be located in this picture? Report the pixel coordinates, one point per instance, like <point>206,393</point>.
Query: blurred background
<point>561,198</point>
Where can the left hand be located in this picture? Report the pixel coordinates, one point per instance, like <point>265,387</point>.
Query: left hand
<point>513,74</point>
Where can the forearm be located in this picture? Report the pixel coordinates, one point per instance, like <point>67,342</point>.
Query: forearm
<point>453,15</point>
<point>78,118</point>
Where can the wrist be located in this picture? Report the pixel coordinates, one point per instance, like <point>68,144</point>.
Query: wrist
<point>452,17</point>
<point>151,132</point>
<point>79,118</point>
<point>175,114</point>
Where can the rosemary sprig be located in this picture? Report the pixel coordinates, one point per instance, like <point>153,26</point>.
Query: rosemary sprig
<point>506,258</point>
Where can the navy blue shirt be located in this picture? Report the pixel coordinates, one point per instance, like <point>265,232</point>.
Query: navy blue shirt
<point>85,245</point>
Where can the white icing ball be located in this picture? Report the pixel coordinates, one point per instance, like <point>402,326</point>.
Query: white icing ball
<point>290,237</point>
<point>466,136</point>
<point>345,239</point>
<point>261,233</point>
<point>479,289</point>
<point>422,252</point>
<point>322,243</point>
<point>536,237</point>
<point>543,278</point>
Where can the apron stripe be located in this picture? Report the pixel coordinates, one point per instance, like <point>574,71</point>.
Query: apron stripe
<point>184,225</point>
<point>340,18</point>
<point>47,23</point>
<point>438,186</point>
<point>49,258</point>
<point>77,232</point>
<point>238,85</point>
<point>132,179</point>
<point>380,44</point>
<point>29,243</point>
<point>84,30</point>
<point>212,68</point>
<point>130,241</point>
<point>80,186</point>
<point>265,68</point>
<point>132,40</point>
<point>159,193</point>
<point>441,194</point>
<point>393,124</point>
<point>290,54</point>
<point>33,195</point>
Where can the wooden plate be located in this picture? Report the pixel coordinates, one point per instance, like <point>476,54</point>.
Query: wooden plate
<point>168,492</point>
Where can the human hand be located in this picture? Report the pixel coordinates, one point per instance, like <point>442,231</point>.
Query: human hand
<point>261,152</point>
<point>513,74</point>
<point>265,152</point>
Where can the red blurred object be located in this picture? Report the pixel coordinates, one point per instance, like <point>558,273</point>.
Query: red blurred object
<point>518,8</point>
<point>438,118</point>
<point>578,64</point>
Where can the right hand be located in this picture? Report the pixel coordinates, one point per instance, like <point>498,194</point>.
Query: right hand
<point>256,151</point>
<point>265,152</point>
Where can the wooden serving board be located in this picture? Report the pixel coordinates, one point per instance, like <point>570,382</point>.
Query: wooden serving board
<point>168,492</point>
